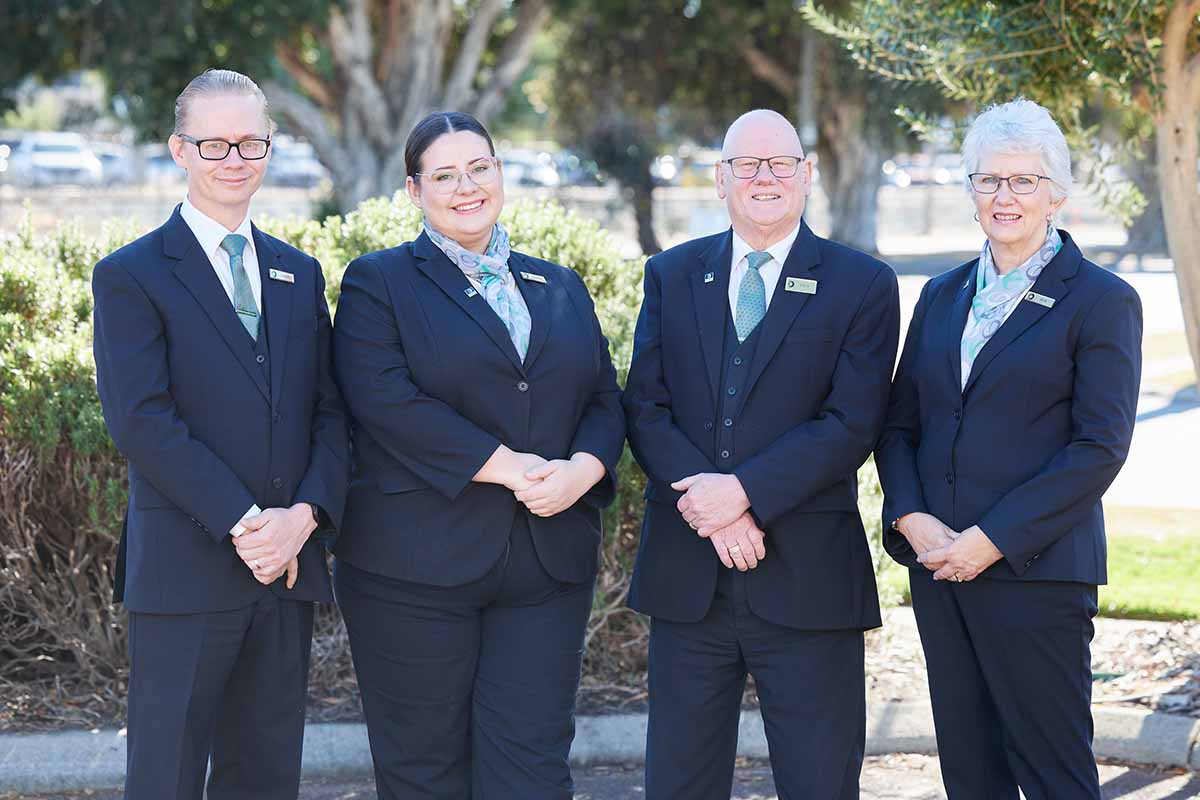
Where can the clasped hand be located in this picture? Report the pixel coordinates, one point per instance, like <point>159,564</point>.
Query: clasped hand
<point>711,501</point>
<point>949,555</point>
<point>550,487</point>
<point>272,541</point>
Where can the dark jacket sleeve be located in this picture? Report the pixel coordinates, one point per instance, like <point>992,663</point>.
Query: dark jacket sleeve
<point>133,382</point>
<point>1108,369</point>
<point>422,432</point>
<point>819,452</point>
<point>896,452</point>
<point>601,430</point>
<point>664,451</point>
<point>324,483</point>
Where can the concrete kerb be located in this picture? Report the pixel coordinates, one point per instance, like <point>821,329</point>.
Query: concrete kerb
<point>96,760</point>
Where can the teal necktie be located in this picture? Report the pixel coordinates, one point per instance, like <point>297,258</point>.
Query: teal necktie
<point>752,296</point>
<point>243,296</point>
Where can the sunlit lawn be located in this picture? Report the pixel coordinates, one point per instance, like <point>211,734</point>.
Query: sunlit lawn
<point>1153,565</point>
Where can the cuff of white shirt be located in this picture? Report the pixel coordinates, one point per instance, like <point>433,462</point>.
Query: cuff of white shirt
<point>239,529</point>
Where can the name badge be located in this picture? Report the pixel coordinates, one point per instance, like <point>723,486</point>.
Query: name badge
<point>280,275</point>
<point>801,285</point>
<point>533,276</point>
<point>470,291</point>
<point>1040,299</point>
<point>709,277</point>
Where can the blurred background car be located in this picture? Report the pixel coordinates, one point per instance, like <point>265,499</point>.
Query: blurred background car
<point>116,163</point>
<point>53,159</point>
<point>534,168</point>
<point>294,163</point>
<point>158,168</point>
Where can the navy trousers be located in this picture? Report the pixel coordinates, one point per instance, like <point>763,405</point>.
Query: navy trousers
<point>1010,677</point>
<point>469,691</point>
<point>232,684</point>
<point>810,686</point>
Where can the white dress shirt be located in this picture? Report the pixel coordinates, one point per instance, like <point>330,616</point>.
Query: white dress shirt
<point>210,233</point>
<point>769,271</point>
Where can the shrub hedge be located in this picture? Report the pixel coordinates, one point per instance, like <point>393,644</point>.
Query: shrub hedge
<point>63,487</point>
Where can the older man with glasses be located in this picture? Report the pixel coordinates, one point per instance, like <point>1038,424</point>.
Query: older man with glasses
<point>213,367</point>
<point>758,386</point>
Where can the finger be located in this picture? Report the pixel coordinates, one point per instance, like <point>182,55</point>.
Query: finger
<point>747,550</point>
<point>722,553</point>
<point>293,572</point>
<point>759,542</point>
<point>256,521</point>
<point>739,558</point>
<point>705,533</point>
<point>683,484</point>
<point>542,470</point>
<point>684,504</point>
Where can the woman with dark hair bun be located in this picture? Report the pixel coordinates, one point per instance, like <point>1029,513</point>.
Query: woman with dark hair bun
<point>487,426</point>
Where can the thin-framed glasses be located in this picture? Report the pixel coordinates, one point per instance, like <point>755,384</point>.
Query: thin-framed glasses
<point>985,183</point>
<point>746,167</point>
<point>218,149</point>
<point>481,172</point>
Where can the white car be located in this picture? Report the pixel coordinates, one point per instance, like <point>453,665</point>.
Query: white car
<point>47,159</point>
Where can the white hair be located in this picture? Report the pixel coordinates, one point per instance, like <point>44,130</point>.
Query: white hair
<point>1020,126</point>
<point>213,82</point>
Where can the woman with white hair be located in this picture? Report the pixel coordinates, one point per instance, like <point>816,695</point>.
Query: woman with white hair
<point>1011,413</point>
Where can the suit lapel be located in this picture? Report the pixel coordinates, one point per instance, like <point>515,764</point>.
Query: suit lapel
<point>1051,283</point>
<point>710,294</point>
<point>536,296</point>
<point>958,320</point>
<point>195,271</point>
<point>450,279</point>
<point>277,301</point>
<point>801,262</point>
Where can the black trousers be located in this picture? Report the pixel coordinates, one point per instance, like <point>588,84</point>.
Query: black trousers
<point>230,684</point>
<point>811,689</point>
<point>469,691</point>
<point>1010,678</point>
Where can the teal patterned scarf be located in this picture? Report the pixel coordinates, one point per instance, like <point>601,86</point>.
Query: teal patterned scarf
<point>490,270</point>
<point>996,296</point>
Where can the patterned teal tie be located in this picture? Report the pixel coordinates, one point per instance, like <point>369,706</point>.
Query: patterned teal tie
<point>752,296</point>
<point>243,295</point>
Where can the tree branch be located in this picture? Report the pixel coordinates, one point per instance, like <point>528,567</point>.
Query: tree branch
<point>767,70</point>
<point>351,47</point>
<point>470,52</point>
<point>305,76</point>
<point>389,46</point>
<point>532,17</point>
<point>309,119</point>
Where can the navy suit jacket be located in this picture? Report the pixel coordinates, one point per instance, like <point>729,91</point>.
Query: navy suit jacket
<point>204,434</point>
<point>434,385</point>
<point>813,405</point>
<point>1028,448</point>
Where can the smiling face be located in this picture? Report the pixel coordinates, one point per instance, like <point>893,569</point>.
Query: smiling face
<point>1015,224</point>
<point>468,214</point>
<point>763,209</point>
<point>222,189</point>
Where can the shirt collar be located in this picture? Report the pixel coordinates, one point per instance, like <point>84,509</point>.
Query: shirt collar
<point>210,233</point>
<point>779,251</point>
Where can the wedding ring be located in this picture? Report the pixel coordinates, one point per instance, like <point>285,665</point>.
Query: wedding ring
<point>256,564</point>
<point>737,548</point>
<point>957,578</point>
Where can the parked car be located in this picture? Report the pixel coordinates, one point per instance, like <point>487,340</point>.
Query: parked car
<point>576,170</point>
<point>116,162</point>
<point>294,163</point>
<point>158,168</point>
<point>529,168</point>
<point>47,159</point>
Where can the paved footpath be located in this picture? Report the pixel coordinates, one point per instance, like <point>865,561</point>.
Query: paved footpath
<point>894,777</point>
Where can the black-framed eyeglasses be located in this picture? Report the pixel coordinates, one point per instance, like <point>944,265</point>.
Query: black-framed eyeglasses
<point>985,183</point>
<point>746,167</point>
<point>218,149</point>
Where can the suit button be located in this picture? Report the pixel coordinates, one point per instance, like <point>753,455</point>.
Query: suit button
<point>728,422</point>
<point>950,477</point>
<point>708,426</point>
<point>957,414</point>
<point>277,483</point>
<point>724,454</point>
<point>277,417</point>
<point>522,386</point>
<point>260,358</point>
<point>737,361</point>
<point>732,391</point>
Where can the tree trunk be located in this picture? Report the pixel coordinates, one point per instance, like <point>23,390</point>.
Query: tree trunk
<point>642,195</point>
<point>850,172</point>
<point>1177,137</point>
<point>1147,233</point>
